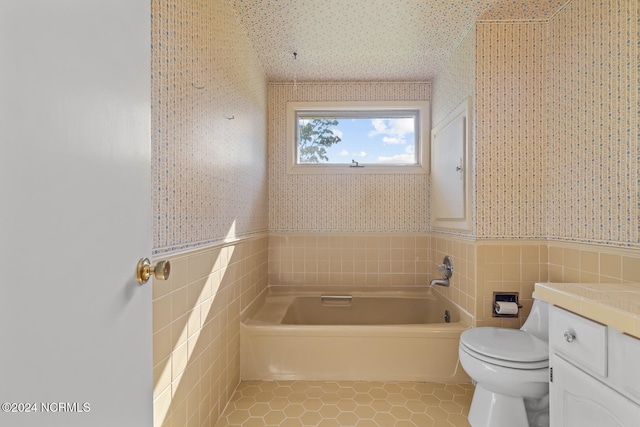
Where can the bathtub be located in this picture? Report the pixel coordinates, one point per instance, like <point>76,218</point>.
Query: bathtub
<point>309,333</point>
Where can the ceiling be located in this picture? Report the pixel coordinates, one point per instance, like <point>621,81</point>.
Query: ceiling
<point>369,40</point>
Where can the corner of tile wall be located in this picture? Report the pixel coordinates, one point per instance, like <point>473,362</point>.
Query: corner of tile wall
<point>196,327</point>
<point>511,266</point>
<point>463,256</point>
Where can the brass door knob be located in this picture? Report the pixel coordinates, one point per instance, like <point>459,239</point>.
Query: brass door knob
<point>144,270</point>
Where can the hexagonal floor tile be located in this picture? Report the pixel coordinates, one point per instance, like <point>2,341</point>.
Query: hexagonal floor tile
<point>348,404</point>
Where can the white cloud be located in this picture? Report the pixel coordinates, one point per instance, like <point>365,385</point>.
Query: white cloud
<point>346,153</point>
<point>337,132</point>
<point>392,141</point>
<point>379,127</point>
<point>394,131</point>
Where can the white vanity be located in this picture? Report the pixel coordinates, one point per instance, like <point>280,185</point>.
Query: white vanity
<point>594,361</point>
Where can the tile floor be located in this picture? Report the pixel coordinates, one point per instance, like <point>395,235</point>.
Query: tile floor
<point>348,403</point>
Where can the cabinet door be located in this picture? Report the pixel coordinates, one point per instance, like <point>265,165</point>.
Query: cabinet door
<point>579,400</point>
<point>450,170</point>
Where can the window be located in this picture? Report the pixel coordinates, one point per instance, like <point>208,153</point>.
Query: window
<point>357,137</point>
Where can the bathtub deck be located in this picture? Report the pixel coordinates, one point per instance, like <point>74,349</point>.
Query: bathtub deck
<point>347,403</point>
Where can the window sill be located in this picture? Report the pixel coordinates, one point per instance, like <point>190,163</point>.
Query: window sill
<point>364,169</point>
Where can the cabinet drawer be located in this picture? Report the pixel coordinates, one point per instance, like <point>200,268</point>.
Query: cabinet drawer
<point>624,354</point>
<point>579,340</point>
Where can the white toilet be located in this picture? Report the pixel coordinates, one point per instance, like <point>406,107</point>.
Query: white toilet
<point>511,371</point>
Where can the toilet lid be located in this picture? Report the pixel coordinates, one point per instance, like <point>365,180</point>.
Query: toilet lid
<point>505,344</point>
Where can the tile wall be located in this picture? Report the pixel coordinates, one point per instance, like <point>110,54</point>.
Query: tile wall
<point>209,108</point>
<point>571,262</point>
<point>585,185</point>
<point>556,181</point>
<point>347,230</point>
<point>511,70</point>
<point>462,288</point>
<point>343,259</point>
<point>510,198</point>
<point>556,149</point>
<point>196,324</point>
<point>451,87</point>
<point>372,259</point>
<point>508,266</point>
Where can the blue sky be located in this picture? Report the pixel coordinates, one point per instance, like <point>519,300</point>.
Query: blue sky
<point>380,140</point>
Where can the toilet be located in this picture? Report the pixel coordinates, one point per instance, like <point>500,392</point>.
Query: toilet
<point>510,368</point>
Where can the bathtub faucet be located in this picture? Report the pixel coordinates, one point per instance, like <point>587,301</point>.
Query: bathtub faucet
<point>442,282</point>
<point>447,269</point>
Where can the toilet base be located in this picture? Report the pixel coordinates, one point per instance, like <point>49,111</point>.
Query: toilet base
<point>490,409</point>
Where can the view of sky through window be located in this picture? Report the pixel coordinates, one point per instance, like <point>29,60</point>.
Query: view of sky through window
<point>378,140</point>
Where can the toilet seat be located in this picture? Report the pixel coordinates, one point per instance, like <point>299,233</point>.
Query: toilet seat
<point>511,348</point>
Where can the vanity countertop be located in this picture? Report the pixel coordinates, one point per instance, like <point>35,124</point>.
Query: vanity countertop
<point>615,305</point>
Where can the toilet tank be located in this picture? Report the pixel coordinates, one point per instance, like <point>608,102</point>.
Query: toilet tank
<point>537,323</point>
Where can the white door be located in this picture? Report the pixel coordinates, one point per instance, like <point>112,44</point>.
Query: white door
<point>75,213</point>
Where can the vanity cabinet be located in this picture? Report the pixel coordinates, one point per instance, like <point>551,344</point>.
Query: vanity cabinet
<point>594,373</point>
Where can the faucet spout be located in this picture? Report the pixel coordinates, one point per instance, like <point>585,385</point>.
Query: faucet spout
<point>441,282</point>
<point>447,270</point>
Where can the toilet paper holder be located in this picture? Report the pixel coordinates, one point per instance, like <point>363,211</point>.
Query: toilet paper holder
<point>505,297</point>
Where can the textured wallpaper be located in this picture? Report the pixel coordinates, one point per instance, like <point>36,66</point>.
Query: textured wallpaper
<point>457,81</point>
<point>209,103</point>
<point>557,126</point>
<point>511,125</point>
<point>342,202</point>
<point>512,10</point>
<point>369,40</point>
<point>593,151</point>
<point>556,145</point>
<point>451,87</point>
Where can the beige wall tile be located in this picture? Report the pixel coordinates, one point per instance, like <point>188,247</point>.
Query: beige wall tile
<point>556,255</point>
<point>611,266</point>
<point>589,262</point>
<point>556,273</point>
<point>161,312</point>
<point>198,325</point>
<point>530,273</point>
<point>511,272</point>
<point>162,345</point>
<point>530,254</point>
<point>571,275</point>
<point>571,258</point>
<point>631,269</point>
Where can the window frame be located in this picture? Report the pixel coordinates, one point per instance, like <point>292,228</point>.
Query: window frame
<point>423,135</point>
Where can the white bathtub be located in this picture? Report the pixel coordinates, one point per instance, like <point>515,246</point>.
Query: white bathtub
<point>368,335</point>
